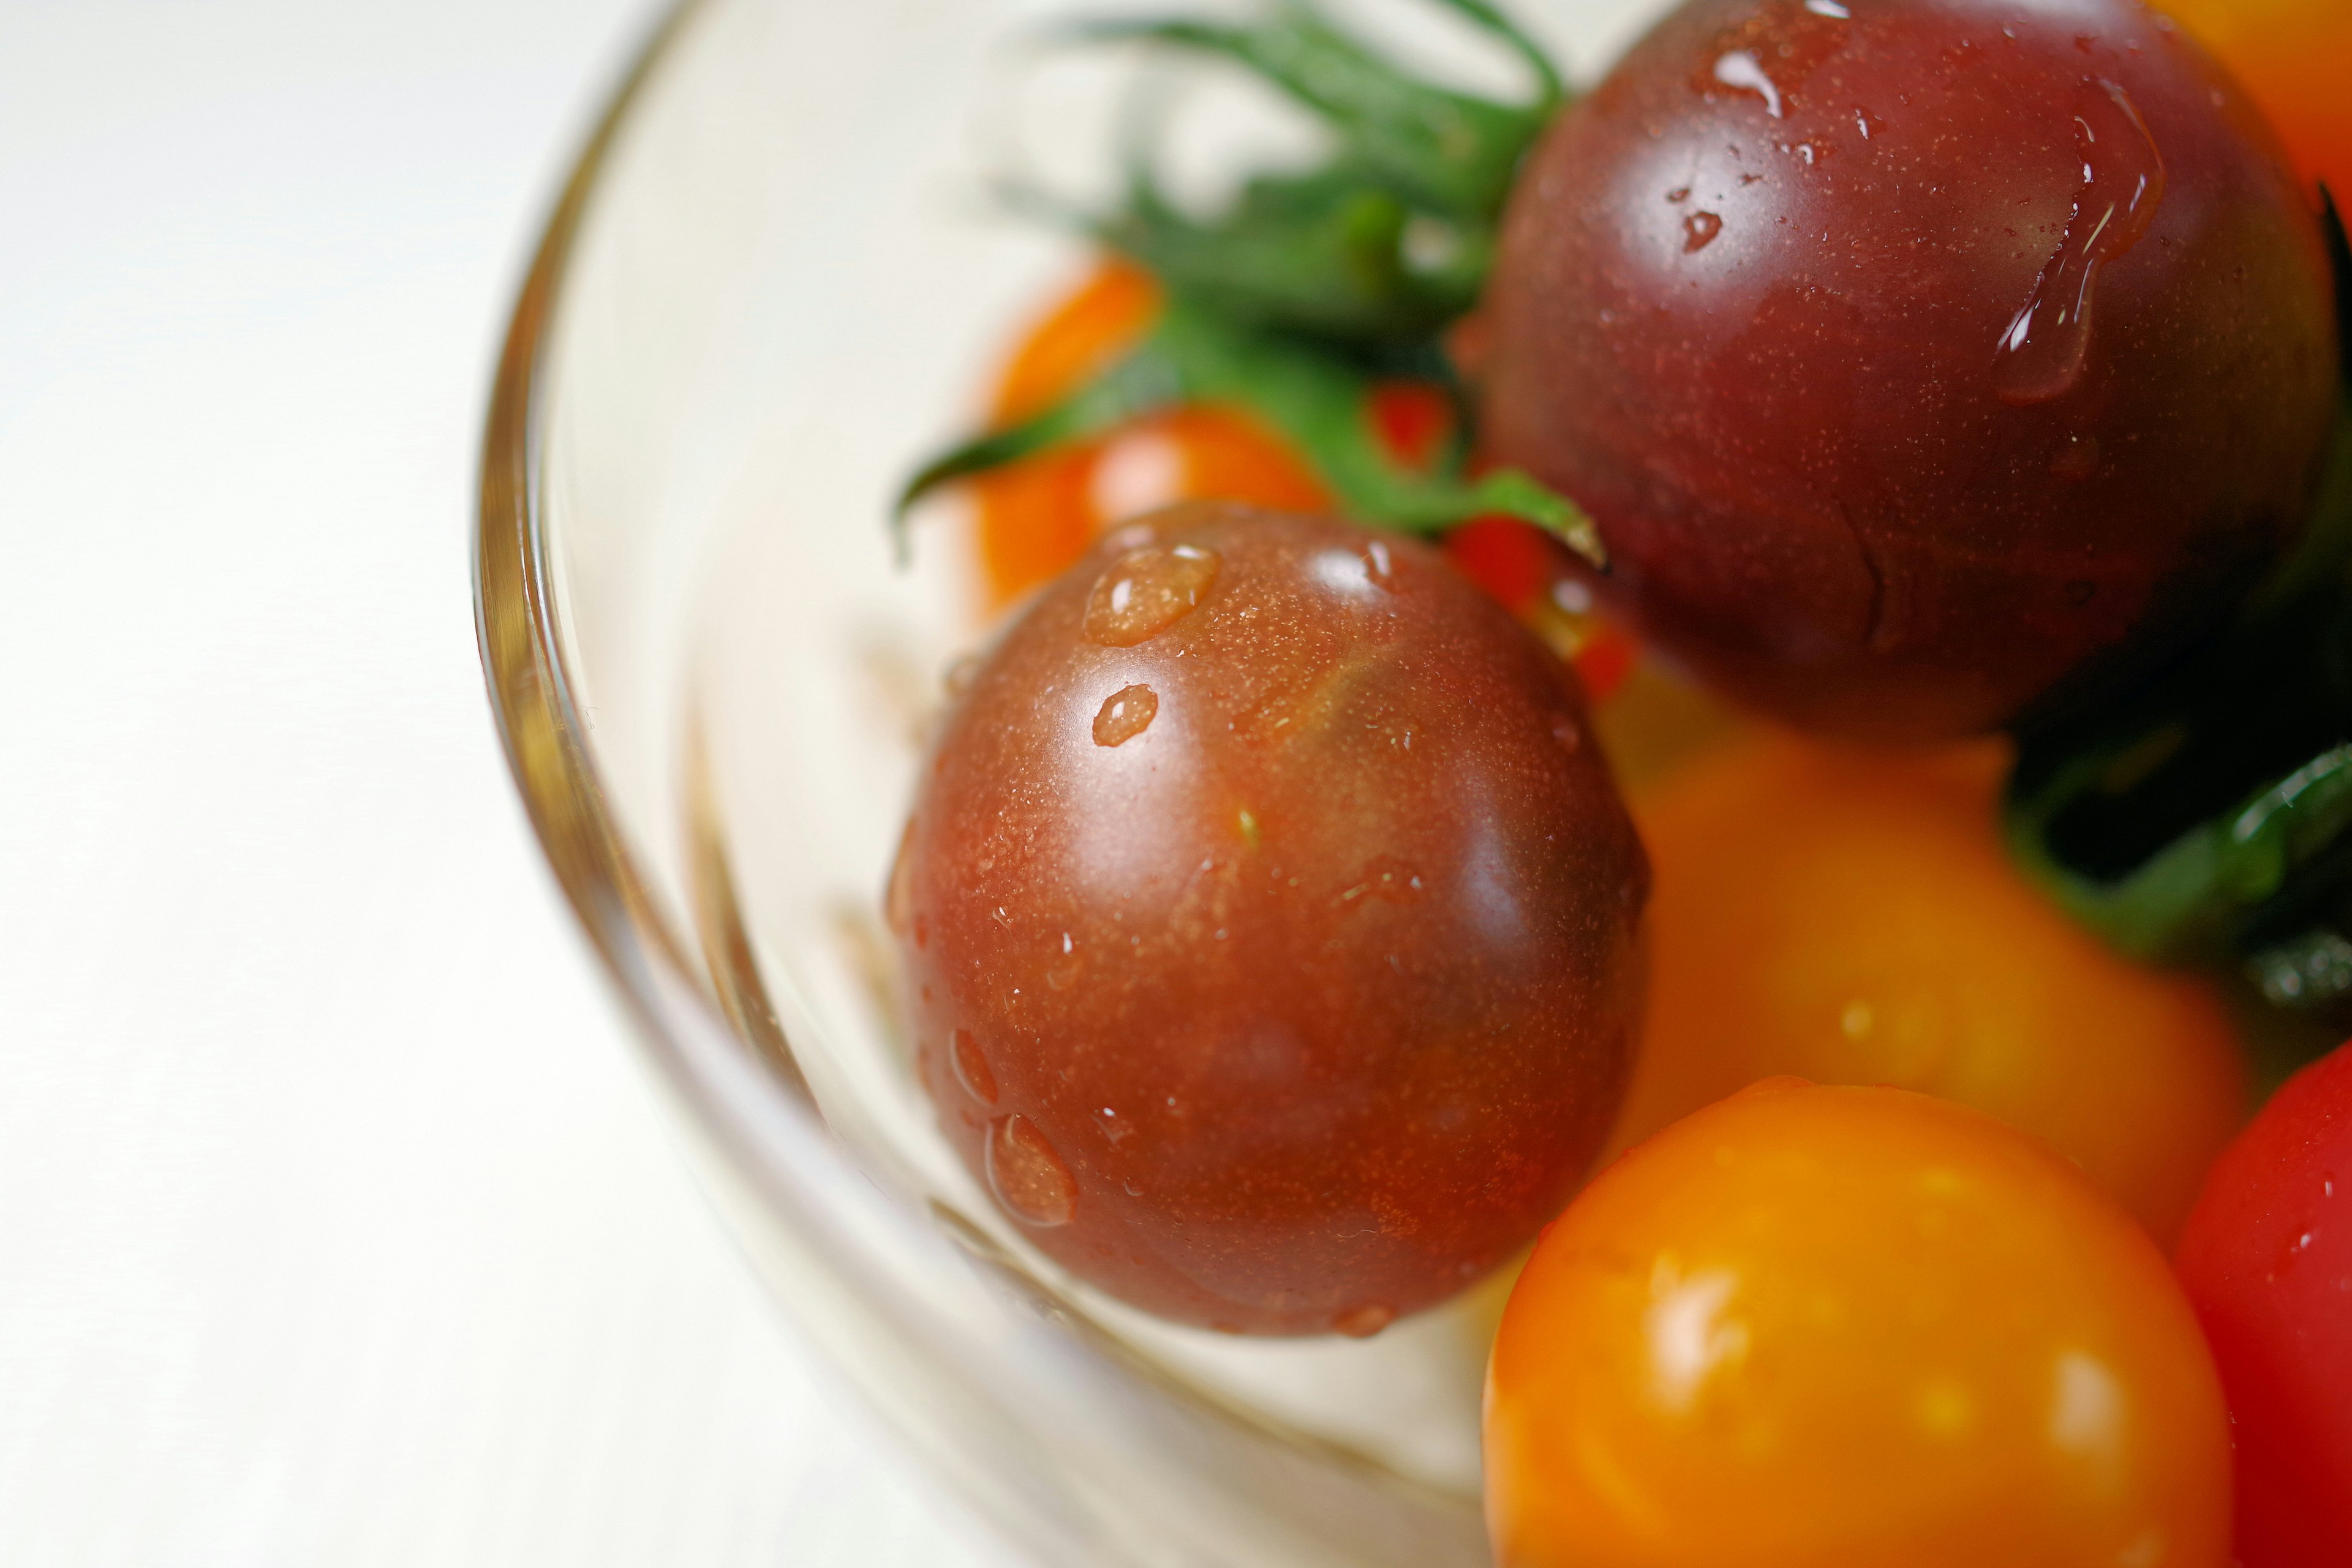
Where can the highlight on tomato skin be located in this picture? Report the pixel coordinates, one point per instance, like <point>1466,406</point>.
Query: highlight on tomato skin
<point>2267,1262</point>
<point>1814,1327</point>
<point>1850,916</point>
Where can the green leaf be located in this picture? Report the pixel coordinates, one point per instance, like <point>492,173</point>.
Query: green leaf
<point>1317,398</point>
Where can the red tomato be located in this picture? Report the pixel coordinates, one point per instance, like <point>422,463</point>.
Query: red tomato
<point>1851,1328</point>
<point>2267,1259</point>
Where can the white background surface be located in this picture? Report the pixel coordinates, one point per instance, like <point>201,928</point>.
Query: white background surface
<point>337,1226</point>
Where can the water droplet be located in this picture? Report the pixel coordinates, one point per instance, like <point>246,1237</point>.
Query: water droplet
<point>1379,568</point>
<point>1117,1130</point>
<point>1126,713</point>
<point>1363,1322</point>
<point>1568,732</point>
<point>1386,878</point>
<point>1699,230</point>
<point>898,900</point>
<point>971,1069</point>
<point>1678,195</point>
<point>2042,354</point>
<point>1027,1177</point>
<point>1147,591</point>
<point>1064,971</point>
<point>1741,71</point>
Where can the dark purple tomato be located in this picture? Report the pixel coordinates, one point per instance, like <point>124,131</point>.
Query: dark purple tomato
<point>2267,1260</point>
<point>1913,355</point>
<point>1271,925</point>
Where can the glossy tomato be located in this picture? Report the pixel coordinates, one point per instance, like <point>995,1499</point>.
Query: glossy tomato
<point>2267,1259</point>
<point>1272,925</point>
<point>1851,1328</point>
<point>1919,360</point>
<point>1850,917</point>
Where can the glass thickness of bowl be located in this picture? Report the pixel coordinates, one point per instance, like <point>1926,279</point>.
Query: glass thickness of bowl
<point>771,282</point>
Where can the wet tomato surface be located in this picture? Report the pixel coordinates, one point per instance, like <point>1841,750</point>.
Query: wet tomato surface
<point>1918,360</point>
<point>1851,1328</point>
<point>1271,924</point>
<point>2267,1259</point>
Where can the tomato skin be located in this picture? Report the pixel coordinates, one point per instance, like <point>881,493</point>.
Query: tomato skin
<point>2267,1261</point>
<point>1850,1328</point>
<point>1758,336</point>
<point>1287,952</point>
<point>1851,917</point>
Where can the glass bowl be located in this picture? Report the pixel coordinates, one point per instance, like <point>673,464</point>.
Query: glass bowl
<point>770,285</point>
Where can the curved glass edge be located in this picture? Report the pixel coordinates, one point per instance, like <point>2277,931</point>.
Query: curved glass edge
<point>1062,1439</point>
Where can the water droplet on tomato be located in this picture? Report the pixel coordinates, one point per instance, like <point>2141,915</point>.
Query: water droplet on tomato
<point>1063,972</point>
<point>1363,1322</point>
<point>971,1069</point>
<point>1380,567</point>
<point>2042,353</point>
<point>1027,1177</point>
<point>1699,230</point>
<point>1741,71</point>
<point>1126,713</point>
<point>1386,878</point>
<point>1147,591</point>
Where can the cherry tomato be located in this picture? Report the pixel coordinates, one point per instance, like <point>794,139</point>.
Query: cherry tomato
<point>1271,925</point>
<point>1038,516</point>
<point>1916,356</point>
<point>1850,917</point>
<point>2267,1259</point>
<point>1851,1328</point>
<point>2291,55</point>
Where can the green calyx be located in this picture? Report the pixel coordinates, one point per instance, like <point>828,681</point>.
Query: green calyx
<point>1388,241</point>
<point>2208,816</point>
<point>1314,399</point>
<point>1312,288</point>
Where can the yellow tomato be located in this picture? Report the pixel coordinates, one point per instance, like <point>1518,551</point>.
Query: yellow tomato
<point>1851,1328</point>
<point>1851,917</point>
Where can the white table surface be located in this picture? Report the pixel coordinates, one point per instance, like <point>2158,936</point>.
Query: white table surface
<point>337,1223</point>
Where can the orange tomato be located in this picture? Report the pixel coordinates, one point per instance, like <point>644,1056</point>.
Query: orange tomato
<point>1851,1328</point>
<point>2295,57</point>
<point>1038,516</point>
<point>1852,918</point>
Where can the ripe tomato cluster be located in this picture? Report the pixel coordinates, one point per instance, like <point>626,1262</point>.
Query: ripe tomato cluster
<point>1285,930</point>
